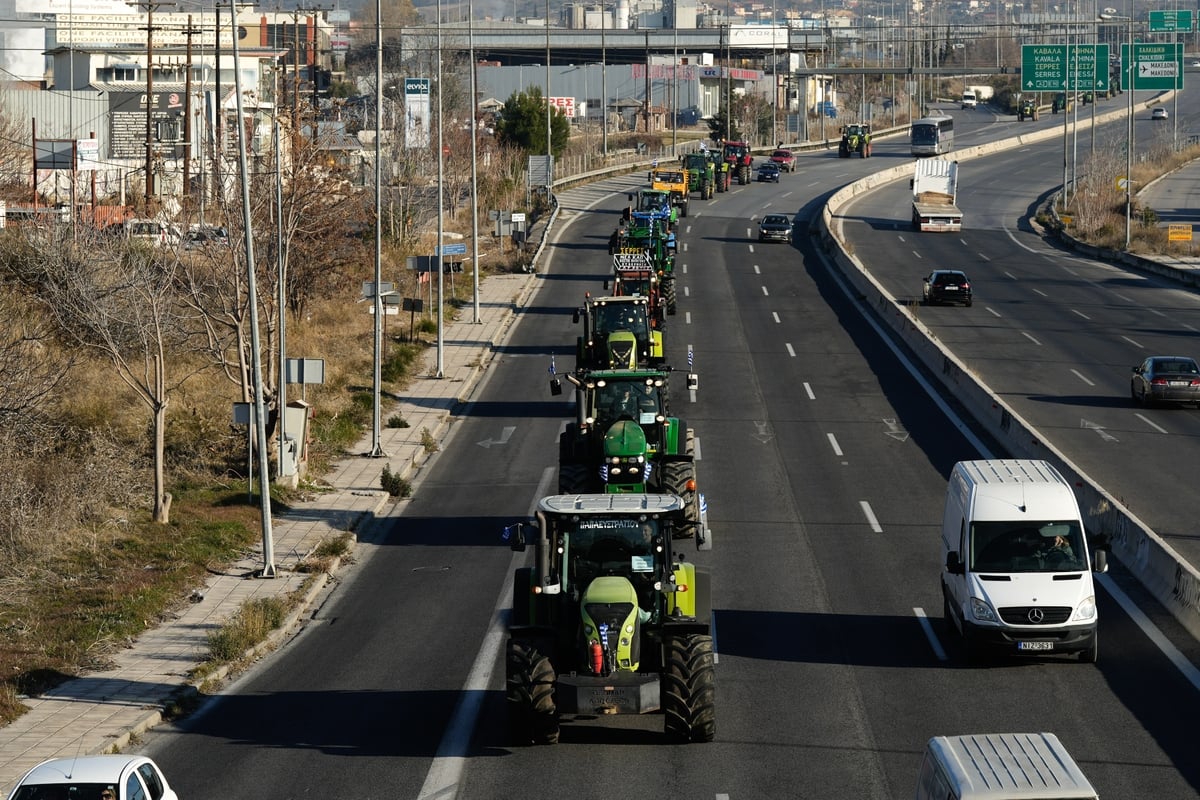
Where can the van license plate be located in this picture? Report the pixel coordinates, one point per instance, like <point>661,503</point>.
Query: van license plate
<point>1035,645</point>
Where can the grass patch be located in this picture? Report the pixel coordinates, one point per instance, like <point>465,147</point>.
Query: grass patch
<point>250,626</point>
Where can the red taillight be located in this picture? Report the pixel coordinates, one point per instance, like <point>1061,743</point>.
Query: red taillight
<point>1158,381</point>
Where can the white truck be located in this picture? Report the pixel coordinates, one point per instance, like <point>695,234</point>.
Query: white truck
<point>935,192</point>
<point>1000,765</point>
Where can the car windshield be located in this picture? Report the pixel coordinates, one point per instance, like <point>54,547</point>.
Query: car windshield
<point>1021,546</point>
<point>619,317</point>
<point>782,154</point>
<point>61,791</point>
<point>775,219</point>
<point>624,546</point>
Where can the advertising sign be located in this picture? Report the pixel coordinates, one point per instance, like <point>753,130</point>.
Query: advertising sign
<point>416,112</point>
<point>564,104</point>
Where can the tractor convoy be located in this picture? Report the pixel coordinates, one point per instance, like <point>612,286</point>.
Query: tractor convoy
<point>612,617</point>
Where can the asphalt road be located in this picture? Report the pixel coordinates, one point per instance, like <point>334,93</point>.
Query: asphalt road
<point>824,463</point>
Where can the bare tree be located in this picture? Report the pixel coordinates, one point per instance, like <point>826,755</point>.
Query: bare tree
<point>122,305</point>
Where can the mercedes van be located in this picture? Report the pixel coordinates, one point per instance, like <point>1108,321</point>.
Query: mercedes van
<point>1017,562</point>
<point>1001,766</point>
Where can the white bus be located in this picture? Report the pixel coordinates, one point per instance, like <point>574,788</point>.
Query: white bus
<point>932,136</point>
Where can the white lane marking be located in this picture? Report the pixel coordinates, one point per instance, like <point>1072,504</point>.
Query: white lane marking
<point>1039,291</point>
<point>688,229</point>
<point>1030,338</point>
<point>757,271</point>
<point>809,391</point>
<point>1080,313</point>
<point>684,247</point>
<point>1132,342</point>
<point>1189,327</point>
<point>1009,274</point>
<point>918,255</point>
<point>1146,420</point>
<point>687,318</point>
<point>982,256</point>
<point>993,311</point>
<point>1018,242</point>
<point>683,269</point>
<point>765,292</point>
<point>775,316</point>
<point>750,246</point>
<point>791,352</point>
<point>696,454</point>
<point>686,292</point>
<point>1070,271</point>
<point>901,238</point>
<point>833,442</point>
<point>1189,670</point>
<point>872,520</point>
<point>923,620</point>
<point>1156,312</point>
<point>1091,426</point>
<point>445,773</point>
<point>1082,377</point>
<point>1122,297</point>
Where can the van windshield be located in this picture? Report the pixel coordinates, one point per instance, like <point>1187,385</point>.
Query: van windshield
<point>1020,546</point>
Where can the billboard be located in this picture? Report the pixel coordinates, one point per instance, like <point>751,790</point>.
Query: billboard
<point>416,112</point>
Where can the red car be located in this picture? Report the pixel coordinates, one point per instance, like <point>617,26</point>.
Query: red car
<point>786,160</point>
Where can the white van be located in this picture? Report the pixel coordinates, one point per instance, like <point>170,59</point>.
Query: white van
<point>969,99</point>
<point>1000,766</point>
<point>1017,564</point>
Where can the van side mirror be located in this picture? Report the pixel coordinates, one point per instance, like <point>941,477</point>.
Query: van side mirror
<point>1100,562</point>
<point>953,565</point>
<point>575,317</point>
<point>555,387</point>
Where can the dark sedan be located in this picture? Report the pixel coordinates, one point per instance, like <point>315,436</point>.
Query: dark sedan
<point>769,172</point>
<point>947,286</point>
<point>1173,379</point>
<point>775,228</point>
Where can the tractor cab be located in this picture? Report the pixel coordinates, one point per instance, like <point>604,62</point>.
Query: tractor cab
<point>618,332</point>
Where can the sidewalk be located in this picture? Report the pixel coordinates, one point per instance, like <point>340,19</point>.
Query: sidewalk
<point>101,711</point>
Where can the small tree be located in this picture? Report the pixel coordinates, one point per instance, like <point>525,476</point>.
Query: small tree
<point>523,124</point>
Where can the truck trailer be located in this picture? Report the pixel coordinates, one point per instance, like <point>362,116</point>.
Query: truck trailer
<point>935,194</point>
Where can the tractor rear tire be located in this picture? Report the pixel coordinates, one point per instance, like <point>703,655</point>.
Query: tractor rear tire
<point>668,292</point>
<point>689,691</point>
<point>529,690</point>
<point>573,479</point>
<point>675,477</point>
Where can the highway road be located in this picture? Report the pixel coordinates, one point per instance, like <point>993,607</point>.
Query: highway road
<point>824,461</point>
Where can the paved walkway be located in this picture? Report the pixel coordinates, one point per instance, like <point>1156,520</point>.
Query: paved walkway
<point>103,710</point>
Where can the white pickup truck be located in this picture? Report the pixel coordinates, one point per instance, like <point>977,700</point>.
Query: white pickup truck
<point>935,194</point>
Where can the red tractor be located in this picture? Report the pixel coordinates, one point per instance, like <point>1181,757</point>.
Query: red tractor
<point>738,157</point>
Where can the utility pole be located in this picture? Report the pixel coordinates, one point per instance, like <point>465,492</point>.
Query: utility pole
<point>189,32</point>
<point>219,130</point>
<point>149,6</point>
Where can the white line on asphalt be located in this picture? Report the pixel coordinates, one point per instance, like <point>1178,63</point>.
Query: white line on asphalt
<point>963,242</point>
<point>683,269</point>
<point>1122,297</point>
<point>1070,271</point>
<point>993,311</point>
<point>1080,313</point>
<point>1132,342</point>
<point>1156,312</point>
<point>445,773</point>
<point>767,205</point>
<point>809,391</point>
<point>1190,672</point>
<point>1144,419</point>
<point>688,229</point>
<point>1018,242</point>
<point>750,246</point>
<point>775,316</point>
<point>1081,377</point>
<point>918,255</point>
<point>833,442</point>
<point>765,292</point>
<point>687,318</point>
<point>870,515</point>
<point>1009,274</point>
<point>686,292</point>
<point>1189,327</point>
<point>901,238</point>
<point>1039,291</point>
<point>1030,338</point>
<point>791,352</point>
<point>923,620</point>
<point>757,271</point>
<point>696,454</point>
<point>684,247</point>
<point>982,256</point>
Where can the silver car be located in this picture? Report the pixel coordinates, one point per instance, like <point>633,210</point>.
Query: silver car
<point>1174,379</point>
<point>112,777</point>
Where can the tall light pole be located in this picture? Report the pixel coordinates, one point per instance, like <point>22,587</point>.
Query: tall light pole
<point>377,382</point>
<point>474,161</point>
<point>604,78</point>
<point>549,116</point>
<point>441,333</point>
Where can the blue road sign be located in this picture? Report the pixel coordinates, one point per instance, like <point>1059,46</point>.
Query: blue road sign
<point>454,249</point>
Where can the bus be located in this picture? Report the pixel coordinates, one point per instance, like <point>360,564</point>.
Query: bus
<point>932,136</point>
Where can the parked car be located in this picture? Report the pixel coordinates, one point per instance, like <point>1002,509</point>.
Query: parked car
<point>119,777</point>
<point>775,228</point>
<point>200,237</point>
<point>150,231</point>
<point>947,286</point>
<point>1159,113</point>
<point>768,171</point>
<point>1166,379</point>
<point>785,158</point>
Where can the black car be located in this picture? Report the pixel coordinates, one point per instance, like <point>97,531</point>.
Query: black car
<point>769,171</point>
<point>775,228</point>
<point>1174,379</point>
<point>201,237</point>
<point>947,286</point>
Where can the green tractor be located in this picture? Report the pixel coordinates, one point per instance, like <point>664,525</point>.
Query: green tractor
<point>608,620</point>
<point>648,235</point>
<point>722,172</point>
<point>1027,109</point>
<point>655,202</point>
<point>855,139</point>
<point>702,176</point>
<point>624,441</point>
<point>618,333</point>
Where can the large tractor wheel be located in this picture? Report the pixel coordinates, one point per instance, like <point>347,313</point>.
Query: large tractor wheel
<point>683,209</point>
<point>573,479</point>
<point>689,690</point>
<point>529,684</point>
<point>668,291</point>
<point>676,475</point>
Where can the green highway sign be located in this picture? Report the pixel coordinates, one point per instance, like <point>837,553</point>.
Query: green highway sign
<point>1166,21</point>
<point>1156,67</point>
<point>1061,67</point>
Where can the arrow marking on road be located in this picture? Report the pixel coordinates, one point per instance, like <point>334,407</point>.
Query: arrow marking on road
<point>895,431</point>
<point>504,437</point>
<point>764,434</point>
<point>1105,435</point>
